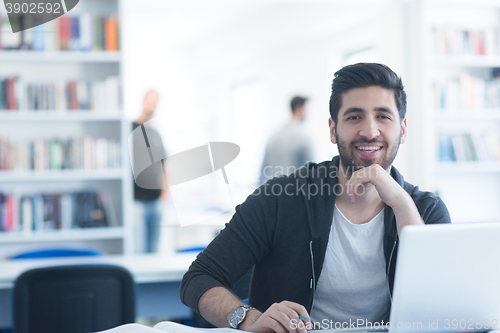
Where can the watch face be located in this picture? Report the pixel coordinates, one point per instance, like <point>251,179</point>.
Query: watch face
<point>236,317</point>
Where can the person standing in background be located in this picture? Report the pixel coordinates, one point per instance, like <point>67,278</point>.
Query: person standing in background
<point>289,148</point>
<point>147,198</point>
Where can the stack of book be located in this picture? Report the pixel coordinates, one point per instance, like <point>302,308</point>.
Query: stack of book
<point>86,32</point>
<point>466,93</point>
<point>60,211</point>
<point>55,154</point>
<point>469,146</point>
<point>99,96</point>
<point>453,41</point>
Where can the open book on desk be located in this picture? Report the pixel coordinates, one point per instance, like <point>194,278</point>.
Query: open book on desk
<point>171,327</point>
<point>166,326</point>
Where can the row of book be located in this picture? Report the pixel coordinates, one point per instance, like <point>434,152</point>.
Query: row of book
<point>86,32</point>
<point>102,96</point>
<point>59,211</point>
<point>469,146</point>
<point>86,153</point>
<point>454,41</point>
<point>466,93</point>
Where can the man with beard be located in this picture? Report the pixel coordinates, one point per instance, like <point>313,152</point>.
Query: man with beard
<point>324,240</point>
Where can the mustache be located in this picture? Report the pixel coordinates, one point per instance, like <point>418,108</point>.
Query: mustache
<point>382,143</point>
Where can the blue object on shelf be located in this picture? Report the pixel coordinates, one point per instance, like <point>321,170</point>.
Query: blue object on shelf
<point>57,253</point>
<point>191,249</point>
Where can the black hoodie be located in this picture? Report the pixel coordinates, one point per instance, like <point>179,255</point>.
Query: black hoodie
<point>283,228</point>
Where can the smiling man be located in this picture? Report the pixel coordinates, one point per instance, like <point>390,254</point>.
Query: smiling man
<point>324,240</point>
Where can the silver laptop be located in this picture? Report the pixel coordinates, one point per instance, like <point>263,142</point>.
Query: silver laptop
<point>447,280</point>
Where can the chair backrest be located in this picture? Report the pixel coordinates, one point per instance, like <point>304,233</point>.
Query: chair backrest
<point>73,299</point>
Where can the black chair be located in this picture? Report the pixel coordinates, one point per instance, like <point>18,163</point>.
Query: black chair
<point>73,299</point>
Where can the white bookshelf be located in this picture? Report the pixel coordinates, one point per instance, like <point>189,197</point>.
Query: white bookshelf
<point>60,116</point>
<point>466,61</point>
<point>466,168</point>
<point>90,234</point>
<point>60,56</point>
<point>470,189</point>
<point>477,115</point>
<point>28,125</point>
<point>60,175</point>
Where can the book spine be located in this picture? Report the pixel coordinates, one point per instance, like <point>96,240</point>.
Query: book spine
<point>458,148</point>
<point>61,33</point>
<point>111,33</point>
<point>8,214</point>
<point>98,34</point>
<point>472,153</point>
<point>85,32</point>
<point>75,33</point>
<point>2,212</point>
<point>37,212</point>
<point>27,214</point>
<point>66,211</point>
<point>445,148</point>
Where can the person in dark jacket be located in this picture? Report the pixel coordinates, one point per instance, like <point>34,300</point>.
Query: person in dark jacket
<point>324,240</point>
<point>150,199</point>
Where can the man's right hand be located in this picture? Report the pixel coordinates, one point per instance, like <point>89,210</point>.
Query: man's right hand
<point>279,317</point>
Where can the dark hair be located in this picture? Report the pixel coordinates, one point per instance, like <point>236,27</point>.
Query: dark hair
<point>364,75</point>
<point>297,101</point>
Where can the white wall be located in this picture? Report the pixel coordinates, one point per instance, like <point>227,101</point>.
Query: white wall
<point>198,56</point>
<point>272,42</point>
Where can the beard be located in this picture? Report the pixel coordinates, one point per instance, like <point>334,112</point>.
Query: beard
<point>352,161</point>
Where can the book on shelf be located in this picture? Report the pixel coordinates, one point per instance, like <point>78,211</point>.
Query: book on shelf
<point>466,92</point>
<point>101,96</point>
<point>56,211</point>
<point>469,146</point>
<point>456,41</point>
<point>446,152</point>
<point>85,32</point>
<point>87,153</point>
<point>8,212</point>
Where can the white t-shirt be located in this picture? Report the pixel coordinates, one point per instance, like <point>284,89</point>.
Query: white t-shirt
<point>353,284</point>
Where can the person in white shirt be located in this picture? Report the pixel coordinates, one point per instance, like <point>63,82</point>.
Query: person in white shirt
<point>324,240</point>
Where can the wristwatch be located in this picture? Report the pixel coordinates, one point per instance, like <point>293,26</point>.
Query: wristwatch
<point>237,316</point>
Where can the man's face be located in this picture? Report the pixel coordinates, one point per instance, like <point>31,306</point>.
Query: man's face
<point>368,128</point>
<point>300,112</point>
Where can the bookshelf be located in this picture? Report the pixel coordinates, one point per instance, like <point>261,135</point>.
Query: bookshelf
<point>19,56</point>
<point>91,112</point>
<point>59,175</point>
<point>453,57</point>
<point>69,235</point>
<point>57,116</point>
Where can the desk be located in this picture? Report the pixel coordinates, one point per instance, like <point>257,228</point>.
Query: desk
<point>157,276</point>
